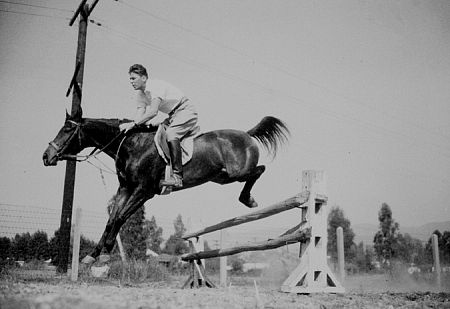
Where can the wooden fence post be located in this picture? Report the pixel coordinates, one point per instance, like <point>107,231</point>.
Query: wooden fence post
<point>76,245</point>
<point>340,252</point>
<point>223,262</point>
<point>437,265</point>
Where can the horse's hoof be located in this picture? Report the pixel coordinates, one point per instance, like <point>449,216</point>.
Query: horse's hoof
<point>104,258</point>
<point>249,202</point>
<point>88,260</point>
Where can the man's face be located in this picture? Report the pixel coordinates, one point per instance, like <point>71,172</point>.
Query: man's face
<point>137,81</point>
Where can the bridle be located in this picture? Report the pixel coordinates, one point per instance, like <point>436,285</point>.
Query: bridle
<point>61,148</point>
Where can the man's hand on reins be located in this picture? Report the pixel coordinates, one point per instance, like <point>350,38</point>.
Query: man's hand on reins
<point>127,126</point>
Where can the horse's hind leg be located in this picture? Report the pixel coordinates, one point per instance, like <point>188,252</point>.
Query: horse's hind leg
<point>250,179</point>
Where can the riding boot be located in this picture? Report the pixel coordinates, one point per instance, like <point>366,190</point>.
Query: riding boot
<point>176,180</point>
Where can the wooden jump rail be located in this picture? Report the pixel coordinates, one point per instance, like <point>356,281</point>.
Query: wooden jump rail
<point>293,202</point>
<point>300,235</point>
<point>312,274</point>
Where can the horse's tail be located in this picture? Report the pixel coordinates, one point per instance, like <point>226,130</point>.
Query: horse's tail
<point>271,132</point>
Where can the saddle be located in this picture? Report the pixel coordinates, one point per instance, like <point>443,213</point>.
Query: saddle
<point>187,149</point>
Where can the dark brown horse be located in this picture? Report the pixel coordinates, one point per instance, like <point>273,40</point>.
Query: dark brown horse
<point>222,156</point>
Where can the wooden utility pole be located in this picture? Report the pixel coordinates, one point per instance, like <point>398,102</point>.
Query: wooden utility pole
<point>69,183</point>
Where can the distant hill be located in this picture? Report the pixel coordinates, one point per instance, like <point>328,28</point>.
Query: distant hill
<point>365,232</point>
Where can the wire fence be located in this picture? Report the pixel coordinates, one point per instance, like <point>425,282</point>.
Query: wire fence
<point>19,219</point>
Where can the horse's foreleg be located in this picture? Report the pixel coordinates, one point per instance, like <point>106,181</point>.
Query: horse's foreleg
<point>120,199</point>
<point>250,179</point>
<point>124,212</point>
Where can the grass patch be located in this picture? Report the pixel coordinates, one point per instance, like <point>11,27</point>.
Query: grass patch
<point>138,271</point>
<point>131,272</point>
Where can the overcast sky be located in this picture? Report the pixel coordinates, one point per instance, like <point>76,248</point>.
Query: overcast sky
<point>362,85</point>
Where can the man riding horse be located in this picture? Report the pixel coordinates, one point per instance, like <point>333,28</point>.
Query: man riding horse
<point>221,156</point>
<point>160,96</point>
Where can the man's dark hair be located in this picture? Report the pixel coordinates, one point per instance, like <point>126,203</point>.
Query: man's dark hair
<point>138,69</point>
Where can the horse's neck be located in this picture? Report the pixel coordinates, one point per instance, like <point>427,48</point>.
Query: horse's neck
<point>102,133</point>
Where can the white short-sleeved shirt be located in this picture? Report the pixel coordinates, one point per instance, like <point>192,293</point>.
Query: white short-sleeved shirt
<point>169,94</point>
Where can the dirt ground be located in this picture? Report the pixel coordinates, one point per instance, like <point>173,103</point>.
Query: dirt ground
<point>374,291</point>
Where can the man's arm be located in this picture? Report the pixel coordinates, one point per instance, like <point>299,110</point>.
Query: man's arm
<point>149,112</point>
<point>146,109</point>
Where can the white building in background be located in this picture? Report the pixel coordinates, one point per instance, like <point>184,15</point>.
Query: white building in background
<point>254,266</point>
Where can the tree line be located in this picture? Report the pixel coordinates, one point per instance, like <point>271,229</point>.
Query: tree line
<point>389,244</point>
<point>137,234</point>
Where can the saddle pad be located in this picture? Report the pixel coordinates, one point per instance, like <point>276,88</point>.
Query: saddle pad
<point>187,145</point>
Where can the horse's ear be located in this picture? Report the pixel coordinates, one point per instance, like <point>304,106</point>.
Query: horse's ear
<point>77,115</point>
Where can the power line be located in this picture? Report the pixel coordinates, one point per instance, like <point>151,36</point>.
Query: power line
<point>22,205</point>
<point>34,14</point>
<point>295,100</point>
<point>281,70</point>
<point>197,64</point>
<point>36,6</point>
<point>186,30</point>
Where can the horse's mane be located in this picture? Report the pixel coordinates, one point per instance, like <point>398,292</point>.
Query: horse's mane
<point>102,124</point>
<point>112,125</point>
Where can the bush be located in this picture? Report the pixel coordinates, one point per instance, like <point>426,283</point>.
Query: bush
<point>86,246</point>
<point>6,265</point>
<point>213,265</point>
<point>40,246</point>
<point>34,265</point>
<point>237,265</point>
<point>5,248</point>
<point>21,247</point>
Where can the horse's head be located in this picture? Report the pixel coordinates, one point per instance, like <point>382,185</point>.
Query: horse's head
<point>67,142</point>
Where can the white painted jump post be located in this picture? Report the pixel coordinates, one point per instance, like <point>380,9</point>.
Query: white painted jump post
<point>313,275</point>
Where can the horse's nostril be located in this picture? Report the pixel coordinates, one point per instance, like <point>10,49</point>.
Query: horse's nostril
<point>45,158</point>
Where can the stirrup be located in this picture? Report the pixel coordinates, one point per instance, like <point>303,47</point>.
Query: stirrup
<point>174,181</point>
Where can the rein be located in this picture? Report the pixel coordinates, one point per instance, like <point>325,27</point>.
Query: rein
<point>94,152</point>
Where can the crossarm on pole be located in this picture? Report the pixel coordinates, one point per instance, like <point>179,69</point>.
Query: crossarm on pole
<point>78,11</point>
<point>73,82</point>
